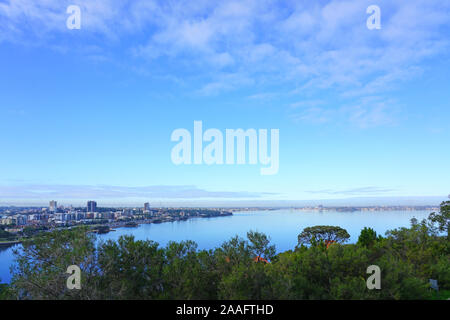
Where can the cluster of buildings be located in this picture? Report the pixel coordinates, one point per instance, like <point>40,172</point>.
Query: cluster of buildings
<point>16,219</point>
<point>68,215</point>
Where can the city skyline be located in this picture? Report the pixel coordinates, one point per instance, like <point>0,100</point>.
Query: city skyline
<point>226,203</point>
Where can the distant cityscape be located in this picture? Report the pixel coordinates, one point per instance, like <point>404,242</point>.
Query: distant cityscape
<point>18,222</point>
<point>368,208</point>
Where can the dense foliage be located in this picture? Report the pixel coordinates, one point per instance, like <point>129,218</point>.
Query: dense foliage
<point>5,235</point>
<point>240,268</point>
<point>327,234</point>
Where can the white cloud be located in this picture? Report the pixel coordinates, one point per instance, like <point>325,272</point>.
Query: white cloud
<point>366,112</point>
<point>353,191</point>
<point>38,191</point>
<point>307,46</point>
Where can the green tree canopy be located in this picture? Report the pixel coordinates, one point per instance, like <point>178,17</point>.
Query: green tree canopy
<point>259,245</point>
<point>41,265</point>
<point>367,237</point>
<point>442,218</point>
<point>316,234</point>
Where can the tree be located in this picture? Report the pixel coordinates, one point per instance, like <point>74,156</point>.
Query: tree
<point>367,237</point>
<point>245,282</point>
<point>442,218</point>
<point>233,252</point>
<point>4,291</point>
<point>188,273</point>
<point>41,265</point>
<point>130,269</point>
<point>327,234</point>
<point>259,245</point>
<point>6,235</point>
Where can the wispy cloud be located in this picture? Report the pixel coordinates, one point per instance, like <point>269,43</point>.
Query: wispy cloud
<point>355,191</point>
<point>366,112</point>
<point>44,192</point>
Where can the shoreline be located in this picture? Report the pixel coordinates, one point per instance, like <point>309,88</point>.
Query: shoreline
<point>7,244</point>
<point>135,224</point>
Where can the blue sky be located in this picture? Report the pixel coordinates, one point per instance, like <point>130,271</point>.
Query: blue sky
<point>89,113</point>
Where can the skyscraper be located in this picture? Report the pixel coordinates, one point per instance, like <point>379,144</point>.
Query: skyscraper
<point>91,206</point>
<point>52,206</point>
<point>146,206</point>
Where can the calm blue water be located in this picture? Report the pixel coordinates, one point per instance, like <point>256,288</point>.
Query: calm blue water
<point>282,226</point>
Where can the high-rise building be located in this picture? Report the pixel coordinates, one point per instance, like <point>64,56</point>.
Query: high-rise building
<point>91,206</point>
<point>146,206</point>
<point>52,206</point>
